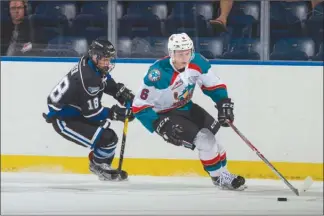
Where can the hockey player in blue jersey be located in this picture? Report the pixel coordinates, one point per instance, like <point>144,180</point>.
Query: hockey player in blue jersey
<point>77,114</point>
<point>164,105</point>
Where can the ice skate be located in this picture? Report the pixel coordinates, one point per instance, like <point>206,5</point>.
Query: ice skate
<point>229,181</point>
<point>105,172</point>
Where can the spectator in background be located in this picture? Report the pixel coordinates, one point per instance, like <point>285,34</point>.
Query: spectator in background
<point>226,6</point>
<point>220,22</point>
<point>18,34</point>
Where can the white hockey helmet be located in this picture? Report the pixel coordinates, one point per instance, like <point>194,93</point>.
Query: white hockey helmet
<point>179,42</point>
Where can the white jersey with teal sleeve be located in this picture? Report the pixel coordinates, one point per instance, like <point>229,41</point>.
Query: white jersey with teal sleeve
<point>164,89</point>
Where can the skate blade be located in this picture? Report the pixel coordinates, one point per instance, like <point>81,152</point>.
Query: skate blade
<point>241,188</point>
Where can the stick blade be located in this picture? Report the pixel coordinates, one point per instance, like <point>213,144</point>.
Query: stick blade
<point>306,185</point>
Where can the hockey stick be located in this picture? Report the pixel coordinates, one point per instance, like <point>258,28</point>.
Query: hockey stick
<point>122,148</point>
<point>307,182</point>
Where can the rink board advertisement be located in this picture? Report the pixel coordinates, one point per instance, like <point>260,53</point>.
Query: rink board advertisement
<point>278,107</point>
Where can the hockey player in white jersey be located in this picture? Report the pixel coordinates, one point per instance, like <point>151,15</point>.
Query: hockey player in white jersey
<point>164,105</point>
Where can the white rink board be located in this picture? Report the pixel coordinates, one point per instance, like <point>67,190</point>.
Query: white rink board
<point>279,108</point>
<point>52,194</point>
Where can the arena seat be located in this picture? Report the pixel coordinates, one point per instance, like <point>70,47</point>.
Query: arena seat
<point>301,49</point>
<point>124,47</point>
<point>159,46</point>
<point>210,47</point>
<point>320,55</point>
<point>141,48</point>
<point>95,8</point>
<point>146,25</point>
<point>243,48</point>
<point>157,8</point>
<point>57,9</point>
<point>193,26</point>
<point>287,20</point>
<point>78,44</point>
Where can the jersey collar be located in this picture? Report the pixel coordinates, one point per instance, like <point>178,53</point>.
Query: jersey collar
<point>91,65</point>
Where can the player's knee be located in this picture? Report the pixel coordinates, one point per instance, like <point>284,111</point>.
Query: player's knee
<point>108,139</point>
<point>205,140</point>
<point>104,151</point>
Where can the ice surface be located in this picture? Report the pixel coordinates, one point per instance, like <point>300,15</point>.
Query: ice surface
<point>35,193</point>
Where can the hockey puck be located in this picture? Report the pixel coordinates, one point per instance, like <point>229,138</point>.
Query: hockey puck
<point>282,199</point>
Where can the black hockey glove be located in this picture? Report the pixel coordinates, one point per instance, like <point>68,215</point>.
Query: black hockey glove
<point>119,114</point>
<point>225,111</point>
<point>168,130</point>
<point>123,94</point>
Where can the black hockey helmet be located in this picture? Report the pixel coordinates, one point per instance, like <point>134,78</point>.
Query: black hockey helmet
<point>102,48</point>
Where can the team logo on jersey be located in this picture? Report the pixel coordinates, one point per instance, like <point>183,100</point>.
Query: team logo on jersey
<point>154,75</point>
<point>184,97</point>
<point>185,94</point>
<point>93,89</point>
<point>175,95</point>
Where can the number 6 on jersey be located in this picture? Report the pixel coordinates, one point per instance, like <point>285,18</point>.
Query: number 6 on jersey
<point>144,94</point>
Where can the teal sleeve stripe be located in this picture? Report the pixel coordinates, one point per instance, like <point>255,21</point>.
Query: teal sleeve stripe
<point>147,117</point>
<point>217,94</point>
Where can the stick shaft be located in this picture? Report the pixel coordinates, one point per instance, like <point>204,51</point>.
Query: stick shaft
<point>264,159</point>
<point>122,148</point>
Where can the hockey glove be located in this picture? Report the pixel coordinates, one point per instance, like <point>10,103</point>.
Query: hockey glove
<point>225,111</point>
<point>119,114</point>
<point>123,94</point>
<point>168,130</point>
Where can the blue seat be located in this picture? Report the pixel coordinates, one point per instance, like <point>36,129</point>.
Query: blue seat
<point>95,8</point>
<point>141,48</point>
<point>315,28</point>
<point>45,34</point>
<point>193,26</point>
<point>244,19</point>
<point>204,9</point>
<point>78,44</point>
<point>320,55</point>
<point>159,46</point>
<point>293,49</point>
<point>31,7</point>
<point>51,26</point>
<point>124,47</point>
<point>287,19</point>
<point>67,9</point>
<point>211,47</point>
<point>83,21</point>
<point>139,26</point>
<point>156,8</point>
<point>246,8</point>
<point>183,8</point>
<point>92,33</point>
<point>315,24</point>
<point>243,48</point>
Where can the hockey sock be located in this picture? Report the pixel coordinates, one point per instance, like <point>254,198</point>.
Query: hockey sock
<point>101,155</point>
<point>209,152</point>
